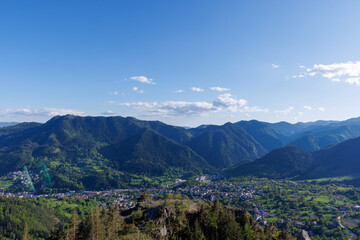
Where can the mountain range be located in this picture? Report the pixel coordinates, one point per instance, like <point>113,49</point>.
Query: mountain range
<point>103,152</point>
<point>294,163</point>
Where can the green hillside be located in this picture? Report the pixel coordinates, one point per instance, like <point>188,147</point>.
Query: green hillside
<point>89,152</point>
<point>291,162</point>
<point>116,152</point>
<point>225,146</point>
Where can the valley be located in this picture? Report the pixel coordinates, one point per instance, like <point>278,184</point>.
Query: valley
<point>73,163</point>
<point>291,205</point>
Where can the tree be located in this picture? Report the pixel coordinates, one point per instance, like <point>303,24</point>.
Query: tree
<point>114,222</point>
<point>144,197</point>
<point>72,228</point>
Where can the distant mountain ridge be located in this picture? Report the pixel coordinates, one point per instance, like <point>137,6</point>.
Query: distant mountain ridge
<point>7,124</point>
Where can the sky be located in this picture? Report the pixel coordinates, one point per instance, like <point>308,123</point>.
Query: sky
<point>185,63</point>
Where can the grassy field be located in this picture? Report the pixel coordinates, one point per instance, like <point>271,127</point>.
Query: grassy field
<point>334,179</point>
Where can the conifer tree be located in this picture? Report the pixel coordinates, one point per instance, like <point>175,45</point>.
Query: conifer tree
<point>114,222</point>
<point>72,228</point>
<point>97,224</point>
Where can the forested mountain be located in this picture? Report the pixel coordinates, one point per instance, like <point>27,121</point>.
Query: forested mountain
<point>17,128</point>
<point>291,162</point>
<point>96,151</point>
<point>313,136</point>
<point>102,152</point>
<point>224,146</point>
<point>338,160</point>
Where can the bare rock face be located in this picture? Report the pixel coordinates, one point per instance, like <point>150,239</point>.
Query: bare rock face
<point>163,232</point>
<point>160,233</point>
<point>304,235</point>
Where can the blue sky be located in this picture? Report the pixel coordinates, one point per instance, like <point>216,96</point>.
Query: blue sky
<point>182,62</point>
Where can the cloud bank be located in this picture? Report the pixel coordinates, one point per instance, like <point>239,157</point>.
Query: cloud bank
<point>108,113</point>
<point>224,102</point>
<point>39,112</point>
<point>348,72</point>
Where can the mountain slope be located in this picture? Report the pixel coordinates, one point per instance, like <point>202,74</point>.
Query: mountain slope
<point>224,146</point>
<point>325,136</point>
<point>82,150</point>
<point>98,152</point>
<point>151,153</point>
<point>17,128</point>
<point>178,134</point>
<point>291,162</point>
<point>338,160</point>
<point>263,134</point>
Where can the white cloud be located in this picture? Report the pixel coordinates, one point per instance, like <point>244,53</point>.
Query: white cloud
<point>179,91</point>
<point>299,76</point>
<point>40,112</point>
<point>355,81</point>
<point>286,111</point>
<point>114,93</point>
<point>219,89</point>
<point>107,113</point>
<point>136,89</point>
<point>196,89</point>
<point>350,69</point>
<point>275,66</point>
<point>301,66</point>
<point>253,109</point>
<point>142,79</point>
<point>314,108</point>
<point>224,102</point>
<point>348,72</point>
<point>172,108</point>
<point>111,102</point>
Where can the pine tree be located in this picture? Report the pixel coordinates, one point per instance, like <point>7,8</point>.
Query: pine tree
<point>72,228</point>
<point>98,225</point>
<point>196,232</point>
<point>114,222</point>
